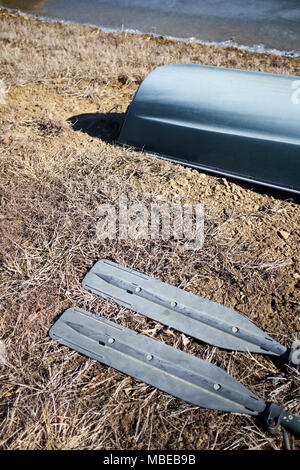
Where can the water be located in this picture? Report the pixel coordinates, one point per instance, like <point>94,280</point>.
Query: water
<point>258,24</point>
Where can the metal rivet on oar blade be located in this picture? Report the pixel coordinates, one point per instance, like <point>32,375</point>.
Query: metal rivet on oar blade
<point>217,386</point>
<point>234,329</point>
<point>111,340</point>
<point>137,289</point>
<point>149,357</point>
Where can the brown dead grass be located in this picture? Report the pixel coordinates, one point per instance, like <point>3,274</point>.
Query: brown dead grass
<point>52,180</point>
<point>74,53</point>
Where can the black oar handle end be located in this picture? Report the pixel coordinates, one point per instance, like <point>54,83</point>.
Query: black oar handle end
<point>272,417</point>
<point>275,416</point>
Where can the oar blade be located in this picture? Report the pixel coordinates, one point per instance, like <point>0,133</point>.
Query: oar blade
<point>173,371</point>
<point>222,326</point>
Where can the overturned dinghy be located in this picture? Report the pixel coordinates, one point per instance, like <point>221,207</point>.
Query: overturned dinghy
<point>231,122</point>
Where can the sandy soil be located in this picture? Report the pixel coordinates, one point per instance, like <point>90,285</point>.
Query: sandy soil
<point>53,176</point>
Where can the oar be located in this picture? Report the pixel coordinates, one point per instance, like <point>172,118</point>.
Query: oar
<point>193,315</point>
<point>176,372</point>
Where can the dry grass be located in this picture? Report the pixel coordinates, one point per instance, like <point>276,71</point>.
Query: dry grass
<point>52,180</point>
<point>75,53</point>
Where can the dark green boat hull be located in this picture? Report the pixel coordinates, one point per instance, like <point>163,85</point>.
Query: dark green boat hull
<point>232,122</point>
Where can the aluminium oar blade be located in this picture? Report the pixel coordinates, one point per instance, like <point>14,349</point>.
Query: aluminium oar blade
<point>191,314</point>
<point>173,371</point>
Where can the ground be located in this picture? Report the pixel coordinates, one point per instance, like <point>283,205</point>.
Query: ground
<point>67,89</point>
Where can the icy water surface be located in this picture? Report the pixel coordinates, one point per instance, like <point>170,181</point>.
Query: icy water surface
<point>273,24</point>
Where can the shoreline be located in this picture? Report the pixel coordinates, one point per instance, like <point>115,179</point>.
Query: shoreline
<point>255,48</point>
<point>51,50</point>
<point>66,90</point>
